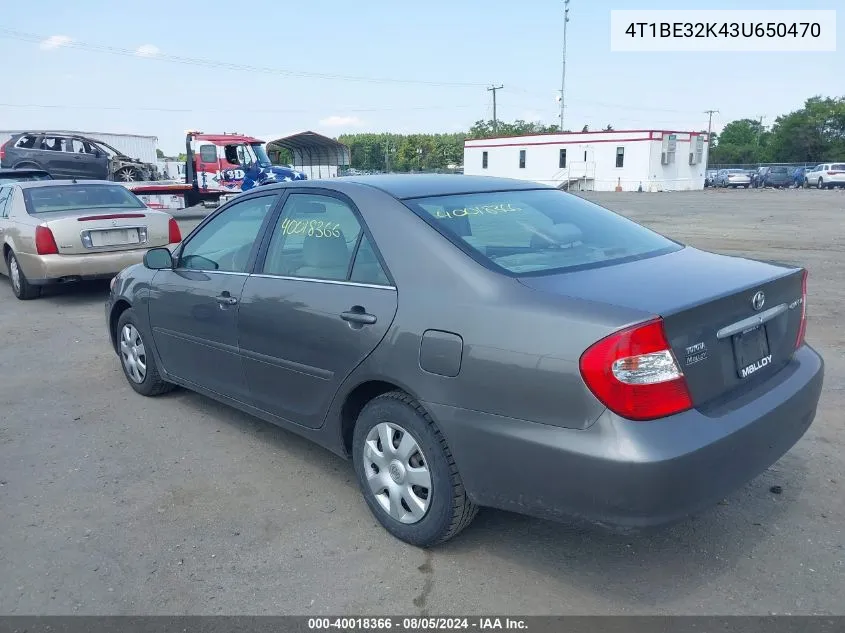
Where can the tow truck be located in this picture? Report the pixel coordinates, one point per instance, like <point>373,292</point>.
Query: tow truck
<point>217,167</point>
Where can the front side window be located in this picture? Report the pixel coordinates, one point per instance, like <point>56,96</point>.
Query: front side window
<point>79,197</point>
<point>318,237</point>
<point>539,231</point>
<point>225,243</point>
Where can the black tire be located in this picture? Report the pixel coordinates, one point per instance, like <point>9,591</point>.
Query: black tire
<point>152,384</point>
<point>23,290</point>
<point>450,509</point>
<point>820,184</point>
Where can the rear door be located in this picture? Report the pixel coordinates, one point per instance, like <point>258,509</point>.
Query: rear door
<point>320,302</point>
<point>89,161</point>
<point>193,309</point>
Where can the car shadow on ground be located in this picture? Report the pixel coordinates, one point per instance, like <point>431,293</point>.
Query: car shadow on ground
<point>79,293</point>
<point>669,562</point>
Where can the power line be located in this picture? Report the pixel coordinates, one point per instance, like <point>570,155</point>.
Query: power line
<point>218,65</point>
<point>130,107</point>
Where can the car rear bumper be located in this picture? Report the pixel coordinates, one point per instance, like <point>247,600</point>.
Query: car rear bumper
<point>633,474</point>
<point>49,269</point>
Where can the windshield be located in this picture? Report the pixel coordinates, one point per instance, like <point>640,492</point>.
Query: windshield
<point>779,170</point>
<point>79,198</point>
<point>261,154</point>
<point>7,178</point>
<point>539,231</point>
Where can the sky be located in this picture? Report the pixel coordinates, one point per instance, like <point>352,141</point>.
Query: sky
<point>270,69</point>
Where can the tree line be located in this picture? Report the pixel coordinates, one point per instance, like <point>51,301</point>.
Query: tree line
<point>430,152</point>
<point>813,133</point>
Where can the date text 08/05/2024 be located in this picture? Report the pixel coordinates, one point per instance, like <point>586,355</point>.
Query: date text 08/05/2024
<point>416,623</point>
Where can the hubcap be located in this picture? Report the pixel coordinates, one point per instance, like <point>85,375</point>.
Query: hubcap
<point>397,472</point>
<point>133,354</point>
<point>15,274</point>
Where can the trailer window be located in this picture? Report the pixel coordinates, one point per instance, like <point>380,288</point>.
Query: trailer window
<point>208,153</point>
<point>522,159</point>
<point>483,160</point>
<point>562,159</point>
<point>620,156</point>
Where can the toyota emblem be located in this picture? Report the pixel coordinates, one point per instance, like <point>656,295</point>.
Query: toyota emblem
<point>758,300</point>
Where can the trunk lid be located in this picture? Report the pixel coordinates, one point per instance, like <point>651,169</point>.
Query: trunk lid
<point>708,305</point>
<point>102,230</point>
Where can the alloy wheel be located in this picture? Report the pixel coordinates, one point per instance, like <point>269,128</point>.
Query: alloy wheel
<point>15,274</point>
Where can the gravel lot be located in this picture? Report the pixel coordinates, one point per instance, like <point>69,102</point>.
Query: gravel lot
<point>115,504</point>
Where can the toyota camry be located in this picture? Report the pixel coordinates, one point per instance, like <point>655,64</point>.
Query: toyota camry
<point>472,341</point>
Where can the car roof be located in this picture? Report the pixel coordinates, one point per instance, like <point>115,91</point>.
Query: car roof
<point>404,186</point>
<point>33,184</point>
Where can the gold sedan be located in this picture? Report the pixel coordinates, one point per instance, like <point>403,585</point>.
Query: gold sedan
<point>57,231</point>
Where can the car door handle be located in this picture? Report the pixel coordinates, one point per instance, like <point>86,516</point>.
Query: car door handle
<point>358,316</point>
<point>226,300</point>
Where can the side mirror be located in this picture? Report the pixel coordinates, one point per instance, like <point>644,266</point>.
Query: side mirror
<point>158,259</point>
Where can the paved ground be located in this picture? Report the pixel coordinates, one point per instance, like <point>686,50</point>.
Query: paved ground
<point>111,503</point>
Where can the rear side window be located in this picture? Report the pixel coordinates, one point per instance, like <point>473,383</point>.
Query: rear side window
<point>54,143</point>
<point>46,199</point>
<point>208,153</point>
<point>27,141</point>
<point>539,231</point>
<point>316,238</point>
<point>838,166</point>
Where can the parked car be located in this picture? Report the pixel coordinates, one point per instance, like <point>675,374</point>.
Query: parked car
<point>22,175</point>
<point>79,157</point>
<point>710,177</point>
<point>776,176</point>
<point>474,341</point>
<point>55,231</point>
<point>733,178</point>
<point>826,176</point>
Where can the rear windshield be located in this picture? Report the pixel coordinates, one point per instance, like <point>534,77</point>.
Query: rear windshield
<point>7,178</point>
<point>79,197</point>
<point>779,170</point>
<point>539,231</point>
<point>838,166</point>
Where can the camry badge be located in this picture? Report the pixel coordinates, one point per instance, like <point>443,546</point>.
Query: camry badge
<point>758,300</point>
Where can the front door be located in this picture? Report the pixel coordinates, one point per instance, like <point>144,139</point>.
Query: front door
<point>88,161</point>
<point>194,307</point>
<point>319,304</point>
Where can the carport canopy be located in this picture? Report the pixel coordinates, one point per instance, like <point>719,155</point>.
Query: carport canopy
<point>317,155</point>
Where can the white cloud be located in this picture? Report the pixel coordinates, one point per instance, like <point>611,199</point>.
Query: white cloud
<point>147,50</point>
<point>341,121</point>
<point>55,41</point>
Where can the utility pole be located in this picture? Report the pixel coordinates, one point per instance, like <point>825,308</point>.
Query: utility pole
<point>493,89</point>
<point>709,114</point>
<point>563,72</point>
<point>760,128</point>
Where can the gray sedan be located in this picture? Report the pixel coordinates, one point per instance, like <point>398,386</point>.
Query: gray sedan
<point>473,341</point>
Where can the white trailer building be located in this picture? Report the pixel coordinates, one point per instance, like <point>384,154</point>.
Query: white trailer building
<point>133,145</point>
<point>659,160</point>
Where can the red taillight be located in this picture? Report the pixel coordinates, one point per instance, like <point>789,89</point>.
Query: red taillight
<point>802,327</point>
<point>3,150</point>
<point>634,373</point>
<point>174,234</point>
<point>45,243</point>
